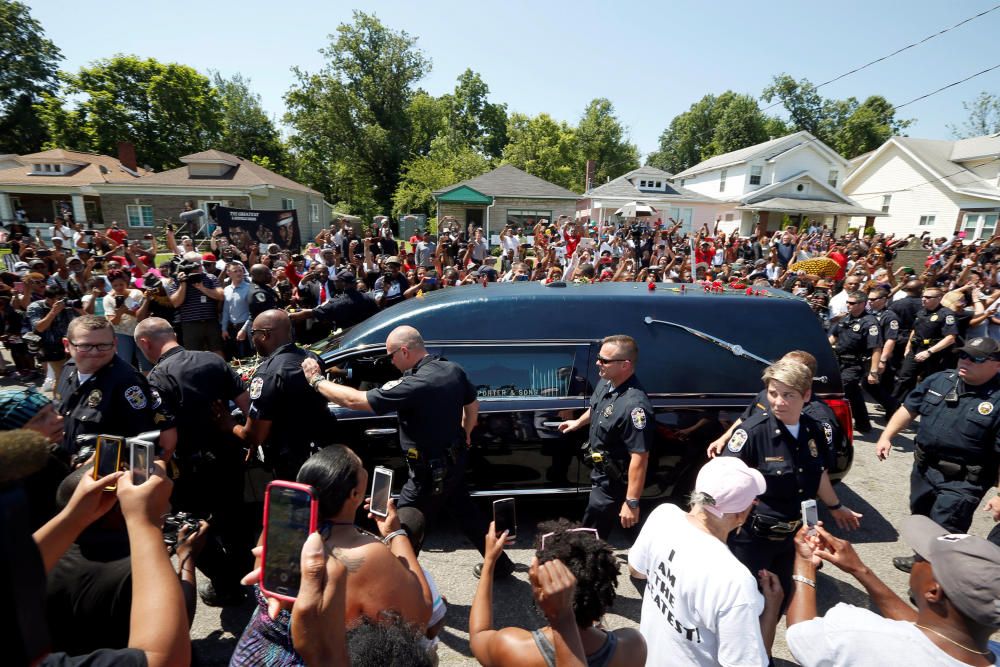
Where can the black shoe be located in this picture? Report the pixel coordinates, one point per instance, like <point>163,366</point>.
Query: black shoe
<point>228,598</point>
<point>498,572</point>
<point>903,563</point>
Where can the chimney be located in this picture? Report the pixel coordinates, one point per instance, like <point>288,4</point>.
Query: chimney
<point>591,172</point>
<point>126,155</point>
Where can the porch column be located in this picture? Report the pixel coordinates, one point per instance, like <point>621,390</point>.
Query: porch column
<point>79,211</point>
<point>6,210</point>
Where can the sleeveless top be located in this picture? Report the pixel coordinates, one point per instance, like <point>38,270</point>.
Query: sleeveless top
<point>598,658</point>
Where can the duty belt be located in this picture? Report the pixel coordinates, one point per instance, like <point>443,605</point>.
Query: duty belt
<point>950,470</point>
<point>433,470</point>
<point>604,464</point>
<point>851,358</point>
<point>925,343</point>
<point>774,529</point>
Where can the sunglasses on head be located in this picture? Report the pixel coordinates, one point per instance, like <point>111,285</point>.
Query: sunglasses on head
<point>571,530</point>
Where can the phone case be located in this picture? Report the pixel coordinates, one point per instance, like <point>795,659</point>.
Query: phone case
<point>372,494</point>
<point>313,524</point>
<point>97,459</point>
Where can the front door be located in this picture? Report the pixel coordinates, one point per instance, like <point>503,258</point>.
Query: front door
<point>473,216</point>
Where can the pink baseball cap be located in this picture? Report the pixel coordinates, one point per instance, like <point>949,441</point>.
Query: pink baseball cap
<point>730,483</point>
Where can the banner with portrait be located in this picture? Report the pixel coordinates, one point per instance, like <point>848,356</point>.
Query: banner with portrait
<point>244,227</point>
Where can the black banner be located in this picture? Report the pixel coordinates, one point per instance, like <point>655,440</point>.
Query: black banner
<point>244,227</point>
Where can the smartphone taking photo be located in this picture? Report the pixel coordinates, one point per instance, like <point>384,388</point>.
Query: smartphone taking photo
<point>810,515</point>
<point>107,458</point>
<point>381,488</point>
<point>142,454</point>
<point>290,515</point>
<point>504,517</point>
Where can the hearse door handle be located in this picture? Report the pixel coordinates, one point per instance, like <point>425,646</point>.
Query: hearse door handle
<point>381,431</point>
<point>551,424</point>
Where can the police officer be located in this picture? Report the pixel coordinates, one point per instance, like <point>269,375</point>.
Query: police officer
<point>285,418</point>
<point>957,446</point>
<point>621,436</point>
<point>790,449</point>
<point>437,409</point>
<point>934,331</point>
<point>889,329</point>
<point>344,310</point>
<point>195,386</point>
<point>99,393</point>
<point>856,340</point>
<point>262,297</point>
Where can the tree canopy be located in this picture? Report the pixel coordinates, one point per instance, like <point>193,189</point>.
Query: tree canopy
<point>247,130</point>
<point>983,117</point>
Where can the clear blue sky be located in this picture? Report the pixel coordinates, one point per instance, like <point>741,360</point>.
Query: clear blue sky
<point>651,59</point>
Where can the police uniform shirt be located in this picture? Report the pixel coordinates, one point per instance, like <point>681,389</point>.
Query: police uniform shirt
<point>815,408</point>
<point>792,467</point>
<point>428,401</point>
<point>347,309</point>
<point>280,393</point>
<point>965,431</point>
<point>116,400</point>
<point>856,336</point>
<point>931,326</point>
<point>888,324</point>
<point>262,298</point>
<point>907,309</point>
<point>189,383</point>
<point>620,419</point>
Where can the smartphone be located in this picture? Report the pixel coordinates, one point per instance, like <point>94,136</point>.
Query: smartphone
<point>290,515</point>
<point>142,454</point>
<point>381,487</point>
<point>810,515</point>
<point>107,457</point>
<point>19,287</point>
<point>504,517</point>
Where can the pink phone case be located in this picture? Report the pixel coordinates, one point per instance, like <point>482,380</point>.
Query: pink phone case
<point>313,523</point>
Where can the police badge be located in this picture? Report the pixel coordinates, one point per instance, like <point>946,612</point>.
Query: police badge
<point>608,411</point>
<point>639,418</point>
<point>856,328</point>
<point>984,408</point>
<point>812,448</point>
<point>94,398</point>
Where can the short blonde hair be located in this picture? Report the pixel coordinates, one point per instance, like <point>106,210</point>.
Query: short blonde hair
<point>789,372</point>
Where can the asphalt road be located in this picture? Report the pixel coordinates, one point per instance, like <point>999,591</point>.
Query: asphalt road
<point>878,490</point>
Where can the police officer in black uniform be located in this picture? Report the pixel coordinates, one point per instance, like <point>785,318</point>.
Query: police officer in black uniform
<point>858,344</point>
<point>935,329</point>
<point>790,449</point>
<point>621,436</point>
<point>957,446</point>
<point>99,393</point>
<point>286,418</point>
<point>261,298</point>
<point>344,310</point>
<point>889,329</point>
<point>907,309</point>
<point>437,409</point>
<point>195,388</point>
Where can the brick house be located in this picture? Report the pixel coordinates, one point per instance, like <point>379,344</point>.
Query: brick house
<point>504,195</point>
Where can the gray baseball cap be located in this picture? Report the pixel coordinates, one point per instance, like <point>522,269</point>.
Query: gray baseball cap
<point>966,566</point>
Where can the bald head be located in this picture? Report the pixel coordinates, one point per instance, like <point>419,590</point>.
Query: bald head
<point>260,274</point>
<point>155,336</point>
<point>275,330</point>
<point>405,336</point>
<point>913,287</point>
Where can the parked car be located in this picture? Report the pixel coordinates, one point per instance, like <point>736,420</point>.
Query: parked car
<point>530,350</point>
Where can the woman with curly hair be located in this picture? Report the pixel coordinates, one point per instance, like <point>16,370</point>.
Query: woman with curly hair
<point>595,567</point>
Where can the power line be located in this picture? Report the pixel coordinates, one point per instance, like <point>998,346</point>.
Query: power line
<point>950,85</point>
<point>922,183</point>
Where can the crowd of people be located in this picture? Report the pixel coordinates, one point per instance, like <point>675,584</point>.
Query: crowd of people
<point>135,347</point>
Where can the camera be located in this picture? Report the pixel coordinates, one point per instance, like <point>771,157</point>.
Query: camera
<point>73,303</point>
<point>172,524</point>
<point>119,300</point>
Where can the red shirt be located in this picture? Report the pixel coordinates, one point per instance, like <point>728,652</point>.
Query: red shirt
<point>117,235</point>
<point>572,241</point>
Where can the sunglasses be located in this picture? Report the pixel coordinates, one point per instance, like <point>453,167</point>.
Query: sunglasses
<point>854,303</point>
<point>604,362</point>
<point>254,332</point>
<point>975,360</point>
<point>592,531</point>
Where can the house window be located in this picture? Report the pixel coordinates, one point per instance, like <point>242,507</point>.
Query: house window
<point>139,215</point>
<point>927,220</point>
<point>682,215</point>
<point>979,225</point>
<point>756,172</point>
<point>729,217</point>
<point>832,178</point>
<point>659,184</point>
<point>886,200</point>
<point>288,204</point>
<point>314,213</point>
<point>722,180</point>
<point>526,220</point>
<point>683,181</point>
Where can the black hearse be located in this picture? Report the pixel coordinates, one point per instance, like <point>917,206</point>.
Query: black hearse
<point>530,350</point>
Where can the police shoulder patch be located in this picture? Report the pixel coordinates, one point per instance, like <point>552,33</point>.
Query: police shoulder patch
<point>949,319</point>
<point>390,384</point>
<point>256,385</point>
<point>157,401</point>
<point>135,397</point>
<point>828,432</point>
<point>260,297</point>
<point>873,330</point>
<point>894,325</point>
<point>737,441</point>
<point>638,418</point>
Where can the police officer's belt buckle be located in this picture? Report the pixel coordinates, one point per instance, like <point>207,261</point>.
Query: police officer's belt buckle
<point>412,454</point>
<point>439,470</point>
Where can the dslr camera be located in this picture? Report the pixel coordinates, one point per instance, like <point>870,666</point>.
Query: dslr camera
<point>73,303</point>
<point>191,273</point>
<point>172,524</point>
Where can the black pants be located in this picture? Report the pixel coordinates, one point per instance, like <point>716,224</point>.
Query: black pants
<point>912,371</point>
<point>761,553</point>
<point>417,502</point>
<point>852,376</point>
<point>604,507</point>
<point>883,391</point>
<point>951,504</point>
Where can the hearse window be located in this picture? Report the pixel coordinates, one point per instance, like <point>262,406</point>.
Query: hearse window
<point>543,371</point>
<point>367,371</point>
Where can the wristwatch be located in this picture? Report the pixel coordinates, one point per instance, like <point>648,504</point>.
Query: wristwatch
<point>316,380</point>
<point>633,503</point>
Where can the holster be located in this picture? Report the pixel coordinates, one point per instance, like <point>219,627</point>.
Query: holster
<point>953,470</point>
<point>772,528</point>
<point>434,471</point>
<point>604,464</point>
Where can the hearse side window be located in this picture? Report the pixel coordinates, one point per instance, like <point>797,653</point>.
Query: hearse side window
<point>521,371</point>
<point>367,371</point>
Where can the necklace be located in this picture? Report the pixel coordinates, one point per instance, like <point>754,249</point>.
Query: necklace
<point>949,639</point>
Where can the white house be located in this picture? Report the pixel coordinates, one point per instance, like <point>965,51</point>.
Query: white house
<point>796,176</point>
<point>652,186</point>
<point>932,185</point>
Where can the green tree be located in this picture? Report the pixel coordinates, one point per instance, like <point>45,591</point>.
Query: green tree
<point>868,126</point>
<point>354,111</point>
<point>544,148</point>
<point>429,118</point>
<point>600,136</point>
<point>740,123</point>
<point>448,162</point>
<point>28,70</point>
<point>247,130</point>
<point>474,119</point>
<point>983,117</point>
<point>167,110</point>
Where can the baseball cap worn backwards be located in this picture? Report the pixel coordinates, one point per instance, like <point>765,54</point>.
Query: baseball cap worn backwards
<point>730,484</point>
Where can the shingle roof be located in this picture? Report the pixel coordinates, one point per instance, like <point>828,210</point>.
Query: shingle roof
<point>985,146</point>
<point>245,174</point>
<point>87,174</point>
<point>767,150</point>
<point>509,181</point>
<point>794,205</point>
<point>626,186</point>
<point>936,154</point>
